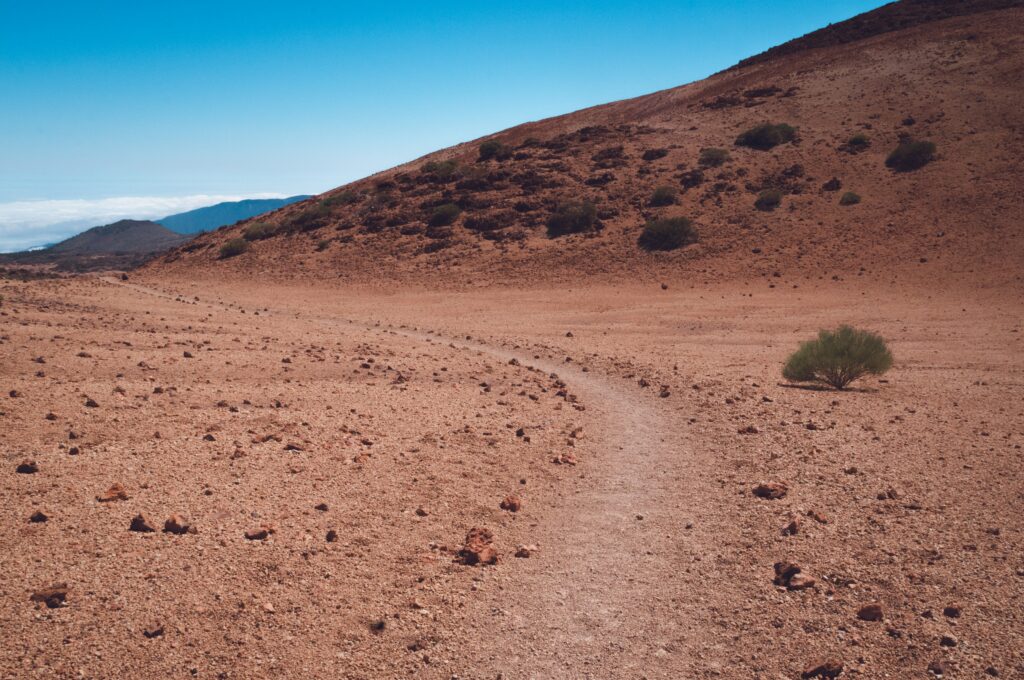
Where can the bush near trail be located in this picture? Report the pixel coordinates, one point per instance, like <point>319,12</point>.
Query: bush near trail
<point>838,357</point>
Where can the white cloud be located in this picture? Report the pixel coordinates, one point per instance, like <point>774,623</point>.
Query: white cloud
<point>27,224</point>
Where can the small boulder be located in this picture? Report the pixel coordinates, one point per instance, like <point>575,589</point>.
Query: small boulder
<point>176,524</point>
<point>116,492</point>
<point>829,668</point>
<point>477,548</point>
<point>771,490</point>
<point>141,524</point>
<point>511,503</point>
<point>27,467</point>
<point>53,596</point>
<point>870,612</point>
<point>258,534</point>
<point>790,576</point>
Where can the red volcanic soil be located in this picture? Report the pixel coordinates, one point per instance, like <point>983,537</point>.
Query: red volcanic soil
<point>370,446</point>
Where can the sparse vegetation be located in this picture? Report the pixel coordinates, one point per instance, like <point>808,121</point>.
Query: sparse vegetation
<point>257,231</point>
<point>442,171</point>
<point>344,198</point>
<point>849,198</point>
<point>654,154</point>
<point>857,143</point>
<point>712,157</point>
<point>766,136</point>
<point>311,218</point>
<point>493,149</point>
<point>667,234</point>
<point>234,247</point>
<point>910,155</point>
<point>769,199</point>
<point>323,245</point>
<point>663,196</point>
<point>444,215</point>
<point>838,357</point>
<point>572,218</point>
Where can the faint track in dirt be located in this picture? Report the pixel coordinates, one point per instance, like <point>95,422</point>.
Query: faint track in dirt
<point>609,593</point>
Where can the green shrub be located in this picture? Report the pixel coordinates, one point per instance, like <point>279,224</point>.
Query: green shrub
<point>572,218</point>
<point>257,231</point>
<point>235,246</point>
<point>712,158</point>
<point>766,136</point>
<point>858,142</point>
<point>769,199</point>
<point>442,171</point>
<point>310,218</point>
<point>910,155</point>
<point>667,234</point>
<point>492,148</point>
<point>444,215</point>
<point>849,198</point>
<point>838,357</point>
<point>663,196</point>
<point>344,198</point>
<point>323,245</point>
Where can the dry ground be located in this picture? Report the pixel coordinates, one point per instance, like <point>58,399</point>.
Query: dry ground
<point>653,557</point>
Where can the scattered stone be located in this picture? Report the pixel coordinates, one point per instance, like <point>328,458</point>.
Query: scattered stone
<point>38,517</point>
<point>27,467</point>
<point>511,503</point>
<point>749,429</point>
<point>948,641</point>
<point>155,630</point>
<point>564,459</point>
<point>817,517</point>
<point>830,668</point>
<point>870,612</point>
<point>91,403</point>
<point>939,667</point>
<point>525,551</point>
<point>421,512</point>
<point>259,534</point>
<point>332,536</point>
<point>664,286</point>
<point>378,626</point>
<point>142,524</point>
<point>51,416</point>
<point>792,528</point>
<point>478,548</point>
<point>54,596</point>
<point>115,493</point>
<point>771,490</point>
<point>322,507</point>
<point>187,355</point>
<point>952,612</point>
<point>790,576</point>
<point>291,446</point>
<point>176,524</point>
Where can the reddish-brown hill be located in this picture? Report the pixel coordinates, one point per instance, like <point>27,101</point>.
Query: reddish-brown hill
<point>949,77</point>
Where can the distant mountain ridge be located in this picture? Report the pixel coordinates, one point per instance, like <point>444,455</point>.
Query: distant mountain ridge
<point>120,245</point>
<point>124,236</point>
<point>229,212</point>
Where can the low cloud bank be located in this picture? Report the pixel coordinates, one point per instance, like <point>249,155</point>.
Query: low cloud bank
<point>31,224</point>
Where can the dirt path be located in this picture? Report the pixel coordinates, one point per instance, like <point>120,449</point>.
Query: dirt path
<point>604,591</point>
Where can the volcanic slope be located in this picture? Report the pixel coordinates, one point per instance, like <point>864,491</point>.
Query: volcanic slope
<point>953,82</point>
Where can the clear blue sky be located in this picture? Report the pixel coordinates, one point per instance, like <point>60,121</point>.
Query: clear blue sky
<point>105,99</point>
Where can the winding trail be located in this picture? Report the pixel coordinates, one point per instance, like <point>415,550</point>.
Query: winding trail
<point>609,594</point>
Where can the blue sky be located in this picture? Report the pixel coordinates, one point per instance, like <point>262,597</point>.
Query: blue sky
<point>109,100</point>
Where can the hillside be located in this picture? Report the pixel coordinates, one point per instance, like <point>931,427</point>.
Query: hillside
<point>953,82</point>
<point>120,245</point>
<point>229,212</point>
